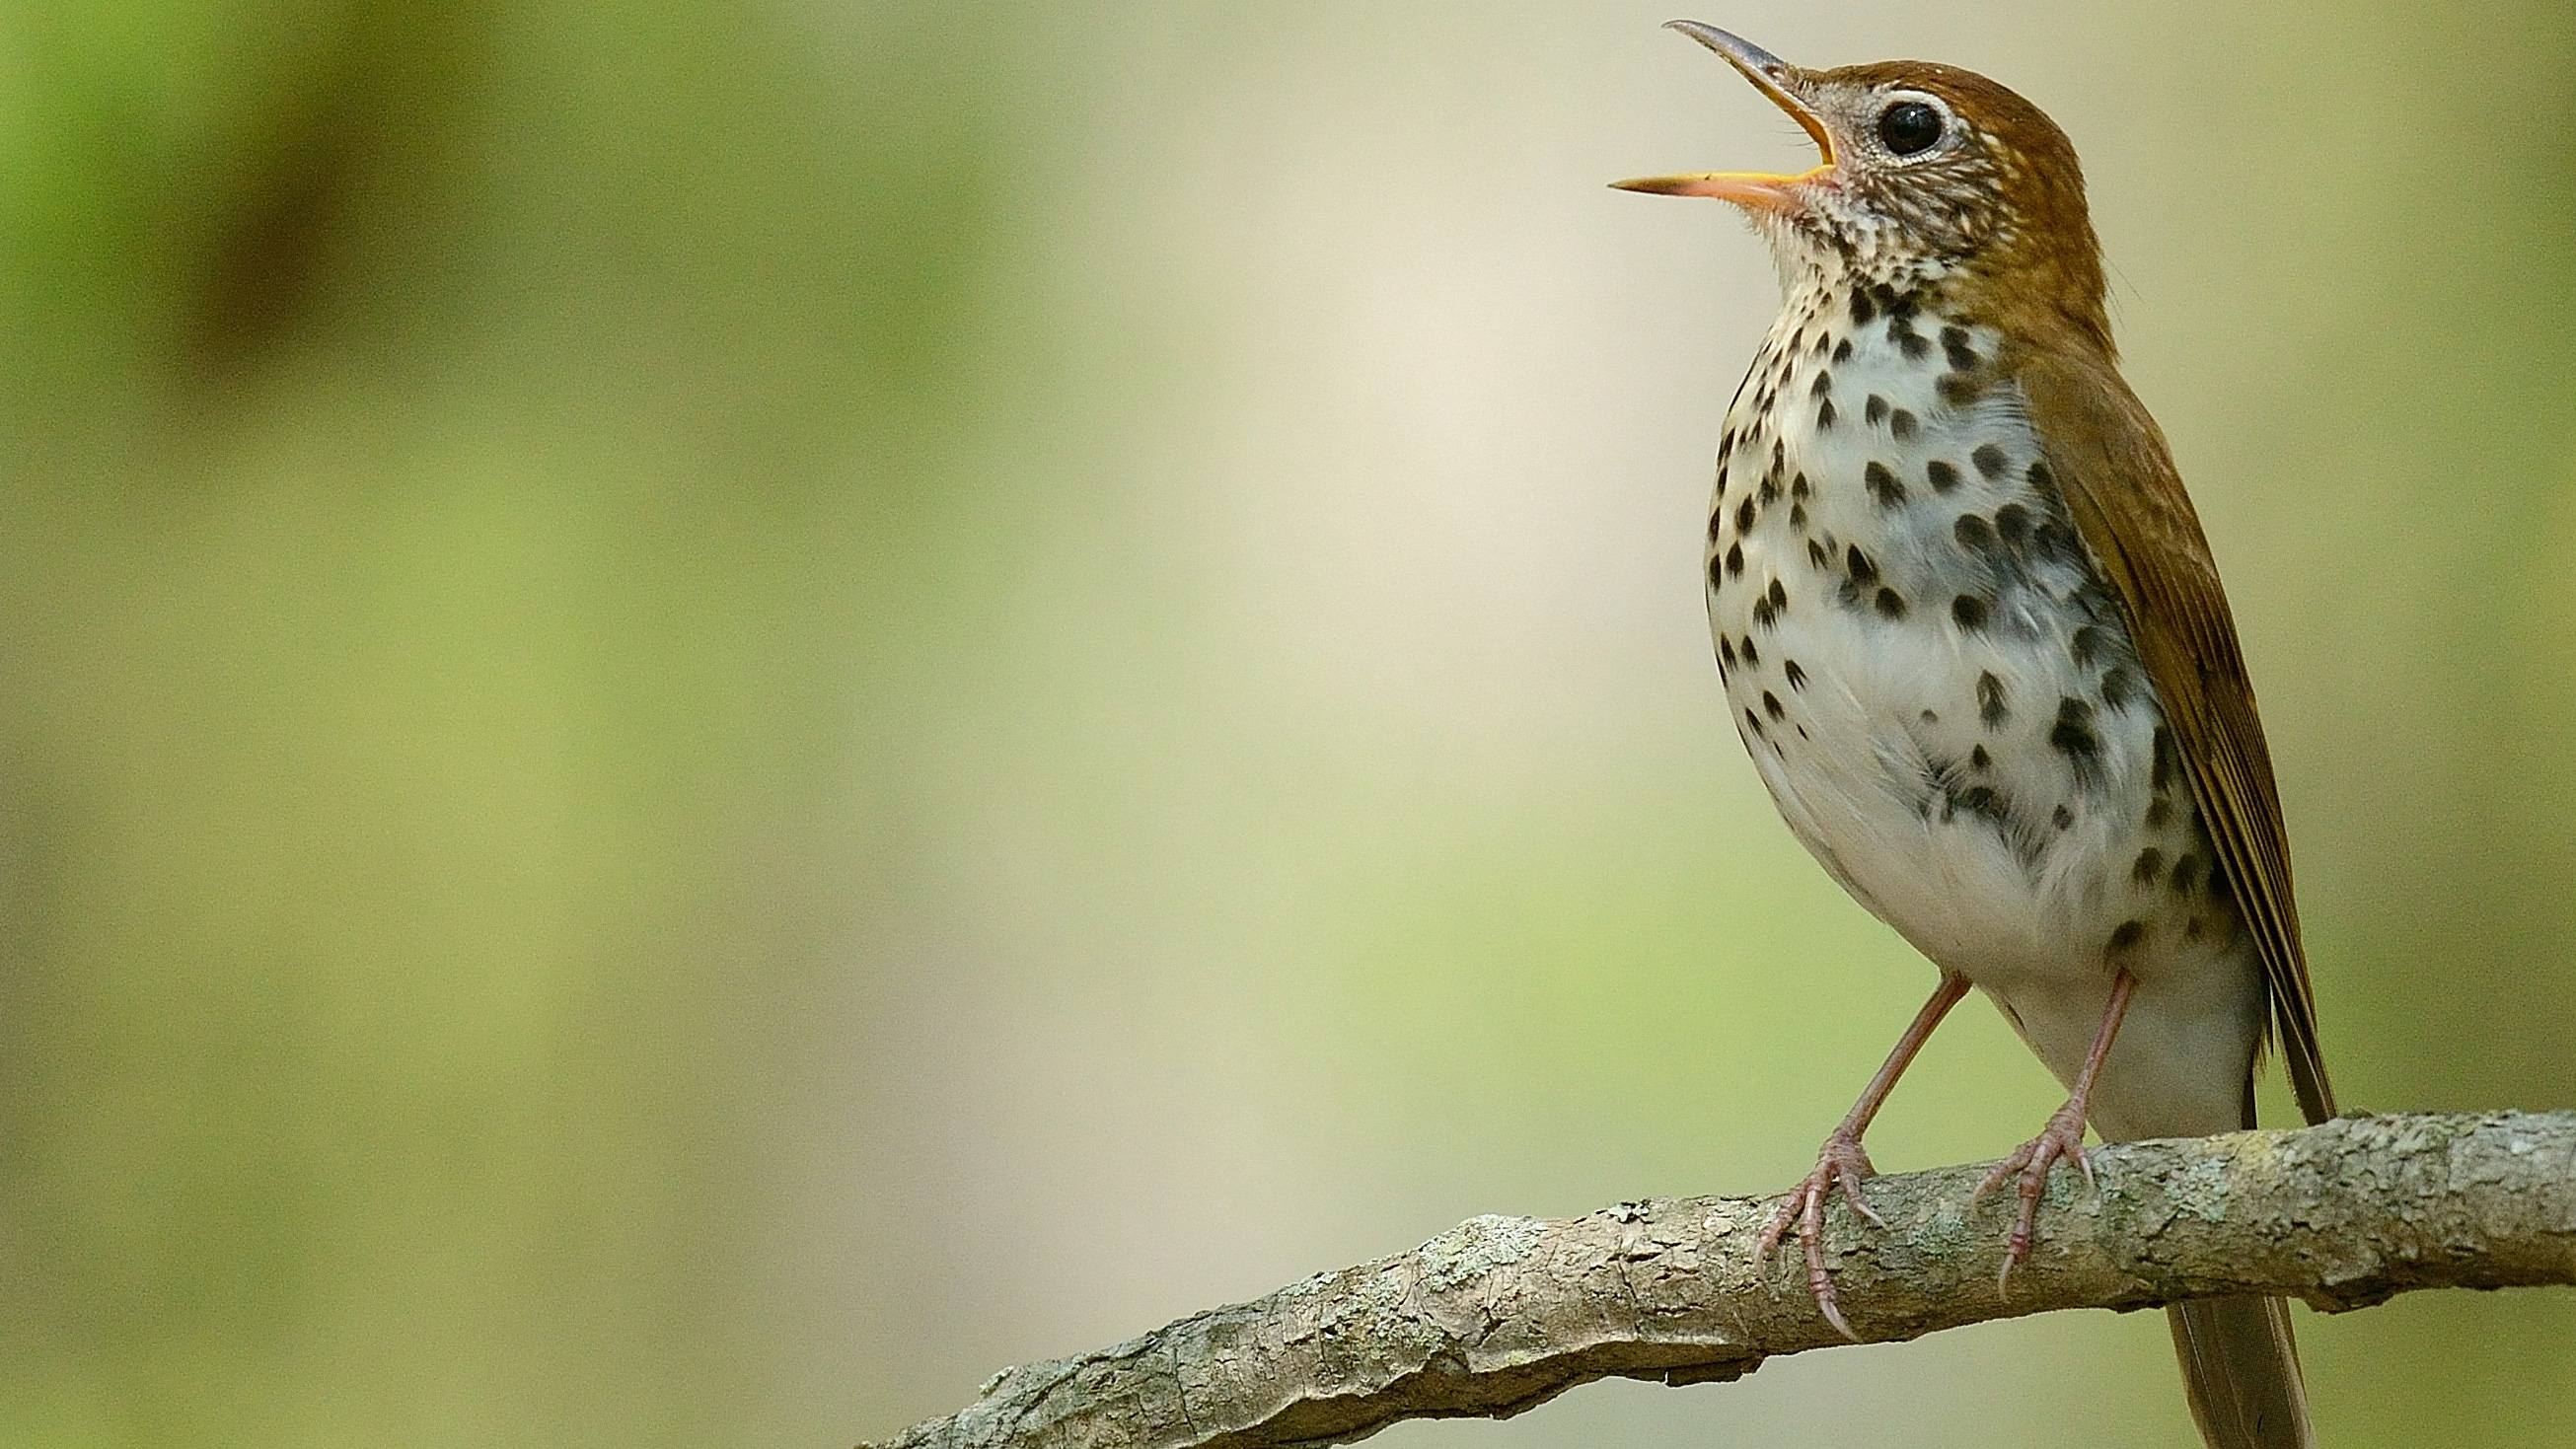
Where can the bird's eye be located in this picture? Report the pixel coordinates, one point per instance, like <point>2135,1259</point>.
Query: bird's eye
<point>1908,127</point>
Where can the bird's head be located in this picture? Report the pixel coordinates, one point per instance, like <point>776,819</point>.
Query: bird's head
<point>1928,172</point>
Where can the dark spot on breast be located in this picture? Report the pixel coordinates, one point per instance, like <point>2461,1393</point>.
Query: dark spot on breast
<point>2073,734</point>
<point>1716,525</point>
<point>1959,389</point>
<point>1875,410</point>
<point>1797,515</point>
<point>1716,572</point>
<point>1955,348</point>
<point>1823,341</point>
<point>1823,384</point>
<point>2040,478</point>
<point>1929,717</point>
<point>1753,721</point>
<point>1862,570</point>
<point>1943,477</point>
<point>1991,708</point>
<point>1901,425</point>
<point>1891,604</point>
<point>1974,534</point>
<point>2220,887</point>
<point>1825,415</point>
<point>1745,514</point>
<point>1883,485</point>
<point>2159,811</point>
<point>2052,539</point>
<point>2186,874</point>
<point>2127,937</point>
<point>1908,341</point>
<point>1734,560</point>
<point>1796,676</point>
<point>1843,350</point>
<point>1980,800</point>
<point>1779,595</point>
<point>2151,863</point>
<point>2012,521</point>
<point>2064,819</point>
<point>2119,686</point>
<point>2166,759</point>
<point>1752,656</point>
<point>1816,555</point>
<point>2085,645</point>
<point>1771,705</point>
<point>1765,613</point>
<point>1769,492</point>
<point>1726,651</point>
<point>1862,313</point>
<point>1799,487</point>
<point>1979,759</point>
<point>1989,460</point>
<point>1969,612</point>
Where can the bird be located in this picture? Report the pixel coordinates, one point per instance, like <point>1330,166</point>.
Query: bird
<point>1974,639</point>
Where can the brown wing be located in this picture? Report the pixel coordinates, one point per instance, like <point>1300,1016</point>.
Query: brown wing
<point>2129,506</point>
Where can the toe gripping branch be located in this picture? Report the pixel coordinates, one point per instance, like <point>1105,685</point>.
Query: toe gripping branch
<point>1842,1162</point>
<point>2063,1137</point>
<point>1843,1165</point>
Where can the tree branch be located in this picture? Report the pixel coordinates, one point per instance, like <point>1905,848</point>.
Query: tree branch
<point>1498,1315</point>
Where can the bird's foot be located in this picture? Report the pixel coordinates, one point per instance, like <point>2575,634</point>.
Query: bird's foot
<point>2063,1137</point>
<point>1840,1163</point>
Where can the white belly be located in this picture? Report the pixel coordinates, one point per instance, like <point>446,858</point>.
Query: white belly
<point>1945,704</point>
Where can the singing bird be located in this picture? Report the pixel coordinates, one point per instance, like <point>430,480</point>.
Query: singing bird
<point>1974,640</point>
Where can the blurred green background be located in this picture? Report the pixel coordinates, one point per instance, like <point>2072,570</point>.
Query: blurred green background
<point>713,714</point>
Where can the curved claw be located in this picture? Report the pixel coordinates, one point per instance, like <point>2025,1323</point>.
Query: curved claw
<point>1850,1179</point>
<point>1840,1165</point>
<point>2062,1138</point>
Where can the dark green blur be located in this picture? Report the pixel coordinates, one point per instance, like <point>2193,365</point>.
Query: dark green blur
<point>471,475</point>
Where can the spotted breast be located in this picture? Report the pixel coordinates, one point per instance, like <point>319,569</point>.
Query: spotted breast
<point>1945,701</point>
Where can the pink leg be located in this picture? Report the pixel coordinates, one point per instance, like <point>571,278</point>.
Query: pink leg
<point>1842,1162</point>
<point>2062,1137</point>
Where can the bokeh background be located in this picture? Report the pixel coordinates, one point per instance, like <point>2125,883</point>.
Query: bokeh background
<point>713,714</point>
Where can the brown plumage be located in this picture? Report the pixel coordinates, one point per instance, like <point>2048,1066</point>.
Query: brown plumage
<point>2138,524</point>
<point>2051,778</point>
<point>2046,272</point>
<point>2043,288</point>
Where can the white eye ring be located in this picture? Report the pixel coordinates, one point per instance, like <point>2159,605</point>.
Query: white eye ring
<point>1913,124</point>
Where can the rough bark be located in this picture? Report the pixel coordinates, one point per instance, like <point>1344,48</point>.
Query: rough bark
<point>1499,1314</point>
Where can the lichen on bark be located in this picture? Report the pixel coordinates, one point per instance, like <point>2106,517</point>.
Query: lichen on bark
<point>1501,1314</point>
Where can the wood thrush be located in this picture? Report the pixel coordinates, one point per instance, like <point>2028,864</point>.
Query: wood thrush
<point>1975,642</point>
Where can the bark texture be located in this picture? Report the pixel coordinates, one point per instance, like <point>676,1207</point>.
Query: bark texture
<point>1500,1314</point>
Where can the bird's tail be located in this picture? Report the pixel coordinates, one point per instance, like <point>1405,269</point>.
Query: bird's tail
<point>2241,1369</point>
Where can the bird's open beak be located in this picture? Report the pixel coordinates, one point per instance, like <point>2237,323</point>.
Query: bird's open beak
<point>1764,190</point>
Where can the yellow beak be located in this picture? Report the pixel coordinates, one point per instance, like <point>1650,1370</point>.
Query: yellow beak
<point>1766,191</point>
